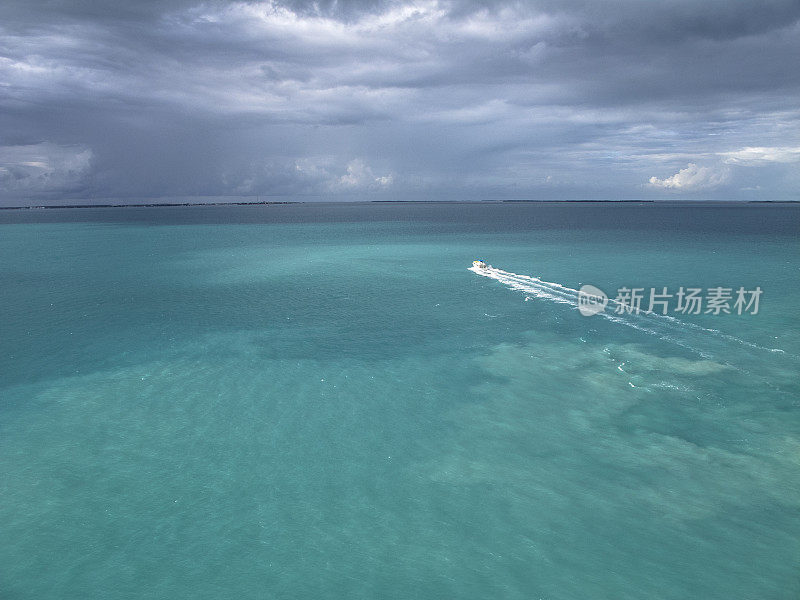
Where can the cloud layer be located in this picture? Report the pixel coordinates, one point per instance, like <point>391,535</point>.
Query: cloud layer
<point>692,178</point>
<point>427,99</point>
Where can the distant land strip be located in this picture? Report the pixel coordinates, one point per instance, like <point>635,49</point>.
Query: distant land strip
<point>333,202</point>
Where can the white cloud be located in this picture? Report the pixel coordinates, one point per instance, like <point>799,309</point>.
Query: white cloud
<point>360,176</point>
<point>692,178</point>
<point>762,155</point>
<point>423,19</point>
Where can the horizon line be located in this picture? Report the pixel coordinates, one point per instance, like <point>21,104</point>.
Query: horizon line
<point>333,202</point>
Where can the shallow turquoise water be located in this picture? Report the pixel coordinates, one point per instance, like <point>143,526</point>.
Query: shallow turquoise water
<point>323,402</point>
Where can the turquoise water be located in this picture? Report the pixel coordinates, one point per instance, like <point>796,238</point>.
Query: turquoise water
<point>323,402</point>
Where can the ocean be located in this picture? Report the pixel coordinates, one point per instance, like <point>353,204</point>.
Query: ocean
<point>323,401</point>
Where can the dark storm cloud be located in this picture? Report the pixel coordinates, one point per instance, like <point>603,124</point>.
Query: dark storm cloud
<point>399,99</point>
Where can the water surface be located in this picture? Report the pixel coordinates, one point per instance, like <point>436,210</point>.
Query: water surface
<point>321,401</point>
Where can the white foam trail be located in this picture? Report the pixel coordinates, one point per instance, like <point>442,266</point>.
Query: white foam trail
<point>665,327</point>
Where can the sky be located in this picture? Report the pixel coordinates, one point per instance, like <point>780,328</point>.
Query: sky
<point>380,100</point>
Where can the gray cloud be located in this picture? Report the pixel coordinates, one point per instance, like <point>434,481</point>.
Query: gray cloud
<point>568,99</point>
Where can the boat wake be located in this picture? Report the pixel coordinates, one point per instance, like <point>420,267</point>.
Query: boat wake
<point>711,344</point>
